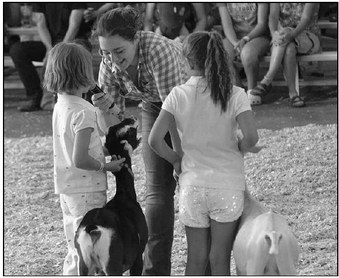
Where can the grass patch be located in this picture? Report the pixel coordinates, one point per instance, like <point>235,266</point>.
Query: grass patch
<point>295,175</point>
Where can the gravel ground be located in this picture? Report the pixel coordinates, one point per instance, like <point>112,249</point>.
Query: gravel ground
<point>295,175</point>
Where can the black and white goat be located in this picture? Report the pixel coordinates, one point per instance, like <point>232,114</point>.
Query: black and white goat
<point>112,239</point>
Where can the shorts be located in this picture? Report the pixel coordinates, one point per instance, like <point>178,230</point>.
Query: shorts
<point>306,42</point>
<point>198,205</point>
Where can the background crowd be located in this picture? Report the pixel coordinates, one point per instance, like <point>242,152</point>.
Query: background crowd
<point>250,31</point>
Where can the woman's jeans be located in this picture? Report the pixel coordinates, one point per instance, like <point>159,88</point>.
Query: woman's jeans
<point>160,189</point>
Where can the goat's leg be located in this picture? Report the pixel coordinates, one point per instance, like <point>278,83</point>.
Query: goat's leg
<point>82,267</point>
<point>257,259</point>
<point>139,220</point>
<point>136,269</point>
<point>287,253</point>
<point>83,270</point>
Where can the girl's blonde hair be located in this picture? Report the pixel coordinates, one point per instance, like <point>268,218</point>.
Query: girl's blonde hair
<point>68,68</point>
<point>205,50</point>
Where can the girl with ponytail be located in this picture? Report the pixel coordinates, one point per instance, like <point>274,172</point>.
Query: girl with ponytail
<point>207,111</point>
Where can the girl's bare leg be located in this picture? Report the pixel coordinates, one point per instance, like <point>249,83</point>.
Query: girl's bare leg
<point>198,247</point>
<point>222,238</point>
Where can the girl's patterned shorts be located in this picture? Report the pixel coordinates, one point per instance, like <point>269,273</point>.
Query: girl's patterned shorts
<point>198,205</point>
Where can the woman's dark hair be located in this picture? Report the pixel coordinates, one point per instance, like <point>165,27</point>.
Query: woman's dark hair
<point>124,21</point>
<point>205,50</point>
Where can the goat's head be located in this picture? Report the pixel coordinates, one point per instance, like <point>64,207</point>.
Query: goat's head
<point>122,139</point>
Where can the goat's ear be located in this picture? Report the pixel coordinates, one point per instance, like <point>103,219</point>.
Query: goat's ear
<point>127,147</point>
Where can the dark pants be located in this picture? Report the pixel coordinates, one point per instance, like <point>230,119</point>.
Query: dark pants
<point>23,53</point>
<point>159,201</point>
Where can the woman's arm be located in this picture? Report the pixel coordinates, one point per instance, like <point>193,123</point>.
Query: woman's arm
<point>273,21</point>
<point>273,18</point>
<point>157,142</point>
<point>91,14</point>
<point>149,16</point>
<point>308,12</point>
<point>227,24</point>
<point>248,128</point>
<point>75,20</point>
<point>201,17</point>
<point>262,25</point>
<point>43,31</point>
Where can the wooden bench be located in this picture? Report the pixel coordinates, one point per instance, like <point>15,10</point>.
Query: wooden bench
<point>324,56</point>
<point>8,62</point>
<point>325,24</point>
<point>25,33</point>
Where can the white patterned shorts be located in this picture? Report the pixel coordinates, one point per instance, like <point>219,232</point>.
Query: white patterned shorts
<point>198,205</point>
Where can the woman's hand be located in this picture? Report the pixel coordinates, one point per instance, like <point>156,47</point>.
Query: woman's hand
<point>103,101</point>
<point>89,14</point>
<point>286,36</point>
<point>277,38</point>
<point>177,167</point>
<point>282,37</point>
<point>240,44</point>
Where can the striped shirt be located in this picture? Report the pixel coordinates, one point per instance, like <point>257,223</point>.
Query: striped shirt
<point>160,68</point>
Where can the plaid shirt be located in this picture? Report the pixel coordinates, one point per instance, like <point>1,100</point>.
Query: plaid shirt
<point>160,68</point>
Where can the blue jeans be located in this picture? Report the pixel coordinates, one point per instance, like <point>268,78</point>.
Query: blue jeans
<point>160,189</point>
<point>23,54</point>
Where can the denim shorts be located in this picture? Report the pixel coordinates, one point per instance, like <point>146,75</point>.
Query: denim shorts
<point>198,205</point>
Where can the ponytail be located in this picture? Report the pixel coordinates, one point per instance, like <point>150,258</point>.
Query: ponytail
<point>217,71</point>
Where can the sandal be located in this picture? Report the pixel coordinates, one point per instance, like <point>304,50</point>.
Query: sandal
<point>297,101</point>
<point>261,89</point>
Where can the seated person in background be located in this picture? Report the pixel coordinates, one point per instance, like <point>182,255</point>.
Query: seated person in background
<point>175,20</point>
<point>213,16</point>
<point>294,30</point>
<point>56,22</point>
<point>247,38</point>
<point>95,10</point>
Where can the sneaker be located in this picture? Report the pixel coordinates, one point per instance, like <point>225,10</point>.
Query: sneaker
<point>30,107</point>
<point>254,99</point>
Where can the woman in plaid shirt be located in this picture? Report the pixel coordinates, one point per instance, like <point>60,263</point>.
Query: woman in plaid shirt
<point>144,66</point>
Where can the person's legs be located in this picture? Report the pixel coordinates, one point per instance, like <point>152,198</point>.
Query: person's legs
<point>231,57</point>
<point>290,63</point>
<point>222,238</point>
<point>23,53</point>
<point>250,58</point>
<point>277,56</point>
<point>159,213</point>
<point>74,207</point>
<point>225,208</point>
<point>198,242</point>
<point>290,66</point>
<point>256,94</point>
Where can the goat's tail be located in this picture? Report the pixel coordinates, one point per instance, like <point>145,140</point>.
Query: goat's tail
<point>87,237</point>
<point>273,238</point>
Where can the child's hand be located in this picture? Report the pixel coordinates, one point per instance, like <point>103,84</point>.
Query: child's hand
<point>255,149</point>
<point>115,165</point>
<point>103,101</point>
